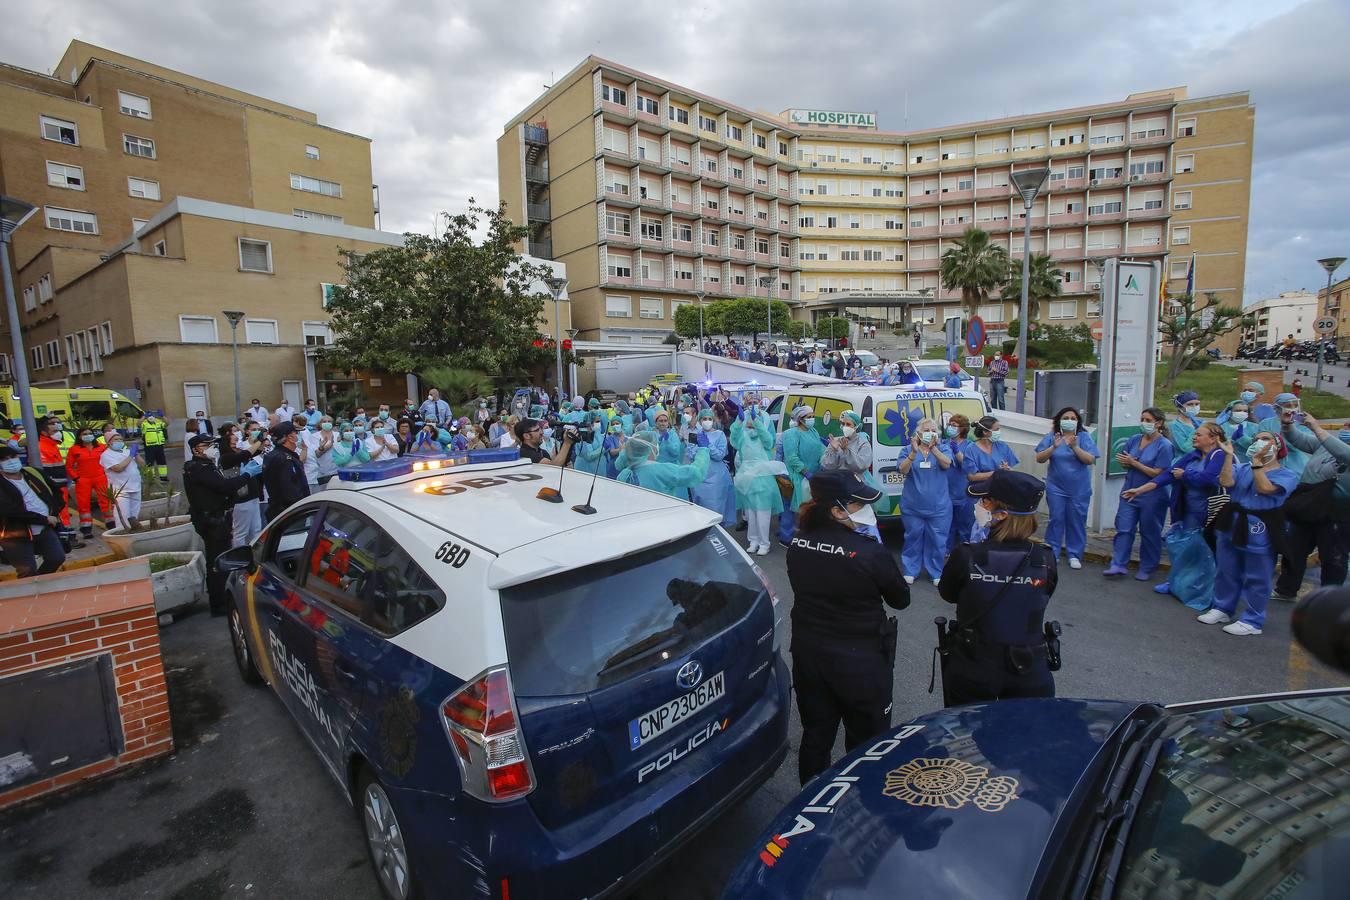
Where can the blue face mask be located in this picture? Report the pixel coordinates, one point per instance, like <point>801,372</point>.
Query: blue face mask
<point>11,465</point>
<point>1247,396</point>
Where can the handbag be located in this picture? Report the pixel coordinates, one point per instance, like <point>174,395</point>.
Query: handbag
<point>1215,504</point>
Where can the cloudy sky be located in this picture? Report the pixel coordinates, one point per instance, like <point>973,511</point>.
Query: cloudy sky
<point>434,81</point>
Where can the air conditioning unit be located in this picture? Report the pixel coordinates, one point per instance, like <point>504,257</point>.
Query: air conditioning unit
<point>1136,177</point>
<point>1092,183</point>
<point>815,165</point>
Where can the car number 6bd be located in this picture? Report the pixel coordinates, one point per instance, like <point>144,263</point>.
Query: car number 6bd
<point>653,724</point>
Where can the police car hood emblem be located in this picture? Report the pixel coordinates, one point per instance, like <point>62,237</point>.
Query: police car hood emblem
<point>690,674</point>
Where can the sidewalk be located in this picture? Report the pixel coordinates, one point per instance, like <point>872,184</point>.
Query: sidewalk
<point>93,553</point>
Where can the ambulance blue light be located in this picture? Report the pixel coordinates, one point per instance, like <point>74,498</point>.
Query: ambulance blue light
<point>386,469</point>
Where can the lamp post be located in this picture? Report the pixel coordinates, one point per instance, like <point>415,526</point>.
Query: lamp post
<point>766,281</point>
<point>556,286</point>
<point>1028,183</point>
<point>234,316</point>
<point>572,366</point>
<point>698,296</point>
<point>13,213</point>
<point>1331,264</point>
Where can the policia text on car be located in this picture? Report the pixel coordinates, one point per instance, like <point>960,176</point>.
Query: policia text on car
<point>999,646</point>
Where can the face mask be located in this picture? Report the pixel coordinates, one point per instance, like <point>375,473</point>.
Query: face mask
<point>309,407</point>
<point>953,431</point>
<point>1257,448</point>
<point>347,435</point>
<point>1192,409</point>
<point>866,516</point>
<point>1068,424</point>
<point>687,418</point>
<point>384,414</point>
<point>848,430</point>
<point>1247,396</point>
<point>1238,417</point>
<point>983,517</point>
<point>87,438</point>
<point>12,465</point>
<point>326,426</point>
<point>212,453</point>
<point>927,437</point>
<point>548,432</point>
<point>995,436</point>
<point>480,406</point>
<point>616,429</point>
<point>381,432</point>
<point>706,424</point>
<point>809,421</point>
<point>255,434</point>
<point>1148,427</point>
<point>360,432</point>
<point>116,445</point>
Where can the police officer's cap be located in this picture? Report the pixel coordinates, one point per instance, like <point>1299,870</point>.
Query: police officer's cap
<point>282,430</point>
<point>837,486</point>
<point>197,439</point>
<point>1018,491</point>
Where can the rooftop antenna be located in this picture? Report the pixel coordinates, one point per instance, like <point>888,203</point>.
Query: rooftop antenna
<point>585,508</point>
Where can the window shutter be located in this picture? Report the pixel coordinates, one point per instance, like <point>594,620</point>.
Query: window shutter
<point>253,256</point>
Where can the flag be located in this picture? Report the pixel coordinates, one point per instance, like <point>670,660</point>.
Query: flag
<point>1190,277</point>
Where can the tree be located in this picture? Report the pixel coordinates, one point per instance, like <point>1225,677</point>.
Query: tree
<point>750,316</point>
<point>976,266</point>
<point>1190,327</point>
<point>1044,281</point>
<point>798,331</point>
<point>832,328</point>
<point>448,300</point>
<point>687,320</point>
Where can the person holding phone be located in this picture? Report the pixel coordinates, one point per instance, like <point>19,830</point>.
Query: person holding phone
<point>757,493</point>
<point>1071,453</point>
<point>1289,415</point>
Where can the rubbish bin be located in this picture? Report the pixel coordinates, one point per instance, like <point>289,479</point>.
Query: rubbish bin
<point>1058,388</point>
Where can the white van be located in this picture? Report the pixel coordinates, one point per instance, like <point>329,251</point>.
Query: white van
<point>889,415</point>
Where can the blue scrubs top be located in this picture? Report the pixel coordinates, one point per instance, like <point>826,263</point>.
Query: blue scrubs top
<point>1067,474</point>
<point>1157,455</point>
<point>926,491</point>
<point>978,461</point>
<point>956,475</point>
<point>1244,493</point>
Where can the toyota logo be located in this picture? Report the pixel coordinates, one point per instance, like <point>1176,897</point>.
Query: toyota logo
<point>690,674</point>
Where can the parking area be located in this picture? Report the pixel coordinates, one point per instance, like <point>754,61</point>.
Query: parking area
<point>244,808</point>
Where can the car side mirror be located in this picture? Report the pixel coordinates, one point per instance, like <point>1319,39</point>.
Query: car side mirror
<point>236,559</point>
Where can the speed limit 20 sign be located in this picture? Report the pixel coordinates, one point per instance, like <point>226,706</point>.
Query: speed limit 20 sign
<point>1325,325</point>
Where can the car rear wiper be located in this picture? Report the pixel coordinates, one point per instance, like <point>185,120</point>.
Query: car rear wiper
<point>645,647</point>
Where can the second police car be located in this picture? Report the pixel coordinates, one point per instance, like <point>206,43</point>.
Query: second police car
<point>520,699</point>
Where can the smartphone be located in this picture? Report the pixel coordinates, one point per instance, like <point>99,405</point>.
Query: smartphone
<point>1300,417</point>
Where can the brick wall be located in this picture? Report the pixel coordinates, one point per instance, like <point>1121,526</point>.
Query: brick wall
<point>80,615</point>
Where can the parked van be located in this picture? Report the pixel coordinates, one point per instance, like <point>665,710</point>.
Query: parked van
<point>889,415</point>
<point>84,405</point>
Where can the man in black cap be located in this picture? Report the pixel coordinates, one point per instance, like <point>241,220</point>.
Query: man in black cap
<point>998,647</point>
<point>843,643</point>
<point>210,495</point>
<point>283,472</point>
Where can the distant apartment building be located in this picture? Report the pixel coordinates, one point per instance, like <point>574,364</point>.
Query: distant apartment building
<point>163,200</point>
<point>655,194</point>
<point>1336,304</point>
<point>1290,315</point>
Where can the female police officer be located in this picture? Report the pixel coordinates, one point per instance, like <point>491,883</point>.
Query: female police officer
<point>1001,587</point>
<point>843,644</point>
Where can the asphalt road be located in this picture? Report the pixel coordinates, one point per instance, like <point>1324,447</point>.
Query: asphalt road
<point>245,809</point>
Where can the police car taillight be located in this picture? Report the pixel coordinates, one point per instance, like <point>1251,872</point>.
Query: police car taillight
<point>480,719</point>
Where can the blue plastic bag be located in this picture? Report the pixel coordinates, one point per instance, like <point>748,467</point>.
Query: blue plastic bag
<point>1193,567</point>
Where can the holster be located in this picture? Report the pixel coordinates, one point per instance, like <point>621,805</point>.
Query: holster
<point>889,632</point>
<point>1052,657</point>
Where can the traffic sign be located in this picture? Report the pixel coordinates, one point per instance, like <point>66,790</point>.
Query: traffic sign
<point>1097,331</point>
<point>974,362</point>
<point>975,334</point>
<point>1325,325</point>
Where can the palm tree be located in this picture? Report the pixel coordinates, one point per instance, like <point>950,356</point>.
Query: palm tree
<point>976,266</point>
<point>1044,279</point>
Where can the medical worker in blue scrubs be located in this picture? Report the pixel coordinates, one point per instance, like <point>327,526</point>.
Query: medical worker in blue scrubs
<point>590,453</point>
<point>1071,453</point>
<point>641,467</point>
<point>957,435</point>
<point>1249,533</point>
<point>715,491</point>
<point>925,501</point>
<point>985,455</point>
<point>670,449</point>
<point>613,446</point>
<point>1144,457</point>
<point>1288,414</point>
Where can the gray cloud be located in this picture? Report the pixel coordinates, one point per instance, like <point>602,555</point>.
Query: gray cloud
<point>433,82</point>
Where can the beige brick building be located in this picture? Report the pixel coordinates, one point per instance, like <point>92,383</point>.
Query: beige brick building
<point>654,193</point>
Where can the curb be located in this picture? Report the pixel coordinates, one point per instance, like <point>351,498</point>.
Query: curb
<point>70,565</point>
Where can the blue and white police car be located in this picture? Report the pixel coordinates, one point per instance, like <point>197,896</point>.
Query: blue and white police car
<point>1061,798</point>
<point>521,698</point>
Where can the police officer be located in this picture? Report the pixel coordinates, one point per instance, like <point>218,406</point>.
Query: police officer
<point>283,472</point>
<point>843,643</point>
<point>210,495</point>
<point>154,433</point>
<point>998,647</point>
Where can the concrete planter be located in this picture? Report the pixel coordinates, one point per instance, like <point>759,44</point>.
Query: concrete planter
<point>181,586</point>
<point>177,536</point>
<point>164,506</point>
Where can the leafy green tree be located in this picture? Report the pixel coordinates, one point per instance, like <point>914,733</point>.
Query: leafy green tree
<point>748,315</point>
<point>449,300</point>
<point>1189,326</point>
<point>976,265</point>
<point>1044,282</point>
<point>831,328</point>
<point>798,331</point>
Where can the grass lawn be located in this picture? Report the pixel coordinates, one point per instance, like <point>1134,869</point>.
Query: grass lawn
<point>1217,385</point>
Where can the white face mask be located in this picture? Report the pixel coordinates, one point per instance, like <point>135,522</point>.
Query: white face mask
<point>866,516</point>
<point>212,453</point>
<point>706,424</point>
<point>848,430</point>
<point>1068,424</point>
<point>1148,427</point>
<point>1238,417</point>
<point>983,517</point>
<point>1192,409</point>
<point>809,421</point>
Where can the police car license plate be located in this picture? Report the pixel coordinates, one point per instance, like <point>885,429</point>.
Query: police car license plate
<point>894,478</point>
<point>652,725</point>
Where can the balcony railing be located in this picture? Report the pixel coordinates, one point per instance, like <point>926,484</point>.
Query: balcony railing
<point>538,211</point>
<point>541,249</point>
<point>537,174</point>
<point>535,134</point>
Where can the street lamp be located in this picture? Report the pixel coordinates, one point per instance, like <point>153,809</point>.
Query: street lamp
<point>13,213</point>
<point>556,286</point>
<point>1028,183</point>
<point>698,296</point>
<point>766,281</point>
<point>234,316</point>
<point>1331,264</point>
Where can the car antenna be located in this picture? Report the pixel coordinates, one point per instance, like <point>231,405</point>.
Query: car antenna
<point>585,508</point>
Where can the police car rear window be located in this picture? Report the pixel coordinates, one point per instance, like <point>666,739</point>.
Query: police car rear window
<point>603,624</point>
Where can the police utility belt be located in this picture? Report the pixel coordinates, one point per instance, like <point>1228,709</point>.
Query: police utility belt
<point>966,639</point>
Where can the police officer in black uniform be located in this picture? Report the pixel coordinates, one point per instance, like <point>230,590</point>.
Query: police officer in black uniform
<point>999,647</point>
<point>211,495</point>
<point>843,643</point>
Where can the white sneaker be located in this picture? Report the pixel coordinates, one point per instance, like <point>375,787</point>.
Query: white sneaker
<point>763,550</point>
<point>1075,562</point>
<point>751,547</point>
<point>909,579</point>
<point>1241,629</point>
<point>1214,617</point>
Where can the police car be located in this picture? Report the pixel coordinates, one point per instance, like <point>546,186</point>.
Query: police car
<point>1242,797</point>
<point>521,697</point>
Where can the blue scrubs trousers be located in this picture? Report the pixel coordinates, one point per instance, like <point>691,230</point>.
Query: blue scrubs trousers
<point>1245,574</point>
<point>1068,522</point>
<point>1145,515</point>
<point>963,519</point>
<point>925,542</point>
<point>787,526</point>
